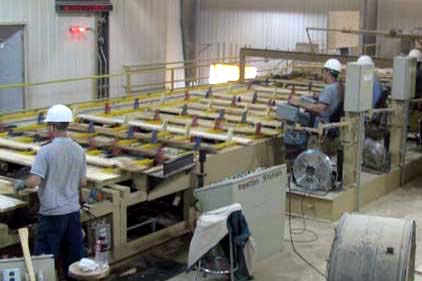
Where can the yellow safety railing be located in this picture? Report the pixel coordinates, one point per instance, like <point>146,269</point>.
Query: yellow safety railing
<point>170,70</point>
<point>167,81</point>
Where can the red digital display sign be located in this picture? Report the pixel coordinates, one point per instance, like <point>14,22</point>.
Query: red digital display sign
<point>84,6</point>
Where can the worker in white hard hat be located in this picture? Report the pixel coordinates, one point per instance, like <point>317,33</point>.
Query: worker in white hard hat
<point>378,100</point>
<point>329,106</point>
<point>417,54</point>
<point>59,170</point>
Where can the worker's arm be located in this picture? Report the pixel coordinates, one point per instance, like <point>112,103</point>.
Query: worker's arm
<point>83,181</point>
<point>38,172</point>
<point>33,181</point>
<point>82,184</point>
<point>315,108</point>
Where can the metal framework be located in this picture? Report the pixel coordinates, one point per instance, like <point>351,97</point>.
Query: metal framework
<point>298,56</point>
<point>393,34</point>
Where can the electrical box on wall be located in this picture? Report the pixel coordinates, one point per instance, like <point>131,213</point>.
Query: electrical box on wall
<point>404,78</point>
<point>359,87</point>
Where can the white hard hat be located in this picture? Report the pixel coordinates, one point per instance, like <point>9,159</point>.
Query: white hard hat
<point>365,60</point>
<point>59,114</point>
<point>333,64</point>
<point>417,54</point>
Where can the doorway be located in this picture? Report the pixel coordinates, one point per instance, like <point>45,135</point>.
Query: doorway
<point>12,67</point>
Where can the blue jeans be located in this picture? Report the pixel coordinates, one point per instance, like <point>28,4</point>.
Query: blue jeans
<point>60,236</point>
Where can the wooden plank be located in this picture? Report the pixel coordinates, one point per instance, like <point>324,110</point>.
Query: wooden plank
<point>8,204</point>
<point>168,140</point>
<point>23,237</point>
<point>94,174</point>
<point>18,146</point>
<point>99,119</point>
<point>202,110</point>
<point>236,127</point>
<point>171,186</point>
<point>239,105</point>
<point>91,160</point>
<point>210,115</point>
<point>6,186</point>
<point>192,132</point>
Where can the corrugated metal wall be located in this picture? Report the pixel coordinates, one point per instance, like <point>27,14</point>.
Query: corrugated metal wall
<point>143,32</point>
<point>51,53</point>
<point>226,25</point>
<point>393,14</point>
<point>148,31</point>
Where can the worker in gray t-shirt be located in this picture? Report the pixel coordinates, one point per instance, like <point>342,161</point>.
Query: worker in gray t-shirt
<point>330,99</point>
<point>59,170</point>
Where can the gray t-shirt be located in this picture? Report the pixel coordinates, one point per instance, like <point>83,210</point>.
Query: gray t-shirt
<point>331,97</point>
<point>61,164</point>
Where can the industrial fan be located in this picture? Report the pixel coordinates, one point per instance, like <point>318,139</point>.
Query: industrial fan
<point>314,171</point>
<point>376,158</point>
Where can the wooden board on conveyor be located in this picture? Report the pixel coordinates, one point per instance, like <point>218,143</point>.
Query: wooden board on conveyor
<point>169,139</point>
<point>8,204</point>
<point>6,186</point>
<point>282,91</point>
<point>266,122</point>
<point>193,132</point>
<point>226,126</point>
<point>90,159</point>
<point>94,174</point>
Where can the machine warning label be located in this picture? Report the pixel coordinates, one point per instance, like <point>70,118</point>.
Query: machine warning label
<point>252,183</point>
<point>272,175</point>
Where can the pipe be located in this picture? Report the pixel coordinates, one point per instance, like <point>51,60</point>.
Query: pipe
<point>389,34</point>
<point>188,16</point>
<point>340,160</point>
<point>381,110</point>
<point>403,149</point>
<point>361,136</point>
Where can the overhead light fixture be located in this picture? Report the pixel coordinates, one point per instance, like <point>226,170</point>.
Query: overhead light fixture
<point>223,73</point>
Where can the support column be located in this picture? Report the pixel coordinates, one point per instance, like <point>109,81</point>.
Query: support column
<point>352,140</point>
<point>397,132</point>
<point>350,146</point>
<point>404,81</point>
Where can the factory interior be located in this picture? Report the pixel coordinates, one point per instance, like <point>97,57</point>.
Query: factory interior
<point>155,140</point>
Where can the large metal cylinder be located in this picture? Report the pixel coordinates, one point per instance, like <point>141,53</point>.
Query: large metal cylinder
<point>369,248</point>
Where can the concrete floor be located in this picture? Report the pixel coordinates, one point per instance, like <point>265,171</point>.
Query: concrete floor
<point>286,266</point>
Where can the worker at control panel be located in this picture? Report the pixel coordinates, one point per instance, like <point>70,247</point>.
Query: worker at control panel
<point>328,107</point>
<point>59,170</point>
<point>417,54</point>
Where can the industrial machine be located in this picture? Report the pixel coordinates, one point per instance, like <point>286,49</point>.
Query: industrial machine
<point>373,248</point>
<point>295,141</point>
<point>142,154</point>
<point>375,156</point>
<point>314,171</point>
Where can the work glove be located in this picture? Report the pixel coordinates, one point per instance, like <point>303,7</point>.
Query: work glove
<point>19,185</point>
